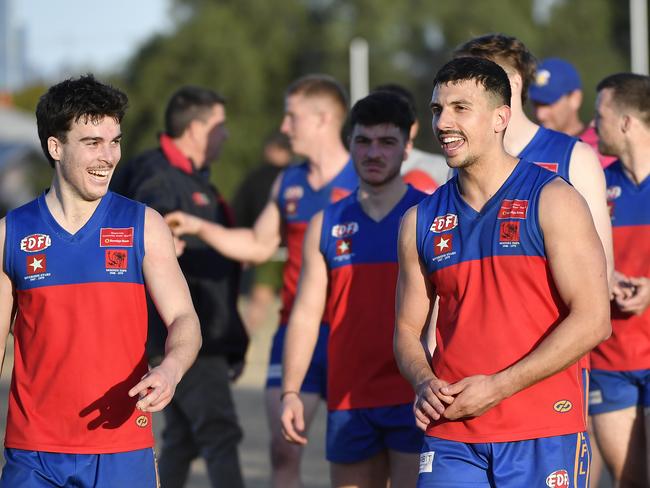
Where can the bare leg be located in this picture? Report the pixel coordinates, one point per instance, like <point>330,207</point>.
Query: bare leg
<point>596,465</point>
<point>369,473</point>
<point>404,468</point>
<point>285,457</point>
<point>621,438</point>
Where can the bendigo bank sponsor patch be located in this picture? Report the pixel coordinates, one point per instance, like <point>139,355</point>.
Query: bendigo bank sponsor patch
<point>116,237</point>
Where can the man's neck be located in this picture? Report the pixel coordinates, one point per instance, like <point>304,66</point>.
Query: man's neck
<point>636,160</point>
<point>379,201</point>
<point>480,181</point>
<point>68,209</point>
<point>575,128</point>
<point>520,131</point>
<point>326,160</point>
<point>189,151</point>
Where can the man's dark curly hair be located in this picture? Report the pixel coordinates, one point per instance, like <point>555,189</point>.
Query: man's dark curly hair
<point>72,100</point>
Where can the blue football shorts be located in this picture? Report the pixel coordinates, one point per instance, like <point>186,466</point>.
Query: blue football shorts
<point>316,378</point>
<point>37,469</point>
<point>358,434</point>
<point>615,390</point>
<point>555,462</point>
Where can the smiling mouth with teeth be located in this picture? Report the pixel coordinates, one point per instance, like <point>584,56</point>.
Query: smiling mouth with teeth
<point>101,173</point>
<point>451,142</point>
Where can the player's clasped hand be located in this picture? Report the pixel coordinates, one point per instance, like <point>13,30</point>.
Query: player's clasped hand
<point>473,396</point>
<point>156,390</point>
<point>293,419</point>
<point>430,402</point>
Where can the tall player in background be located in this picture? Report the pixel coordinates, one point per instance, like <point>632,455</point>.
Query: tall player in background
<point>315,110</point>
<point>620,378</point>
<point>520,304</point>
<point>567,156</point>
<point>75,264</point>
<point>350,268</point>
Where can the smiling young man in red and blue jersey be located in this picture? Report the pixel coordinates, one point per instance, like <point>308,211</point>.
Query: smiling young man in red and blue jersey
<point>502,399</point>
<point>620,378</point>
<point>76,262</point>
<point>349,271</point>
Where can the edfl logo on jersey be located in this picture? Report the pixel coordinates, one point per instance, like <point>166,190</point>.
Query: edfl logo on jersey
<point>35,242</point>
<point>444,223</point>
<point>345,230</point>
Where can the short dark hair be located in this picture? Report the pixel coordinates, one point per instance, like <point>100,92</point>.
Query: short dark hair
<point>320,85</point>
<point>630,91</point>
<point>383,107</point>
<point>400,90</point>
<point>506,50</point>
<point>74,99</point>
<point>187,104</point>
<point>484,72</point>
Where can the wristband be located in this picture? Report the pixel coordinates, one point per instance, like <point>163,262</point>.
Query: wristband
<point>285,393</point>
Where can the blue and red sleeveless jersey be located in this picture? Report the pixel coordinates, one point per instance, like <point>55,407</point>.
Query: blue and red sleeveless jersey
<point>298,203</point>
<point>497,301</point>
<point>628,348</point>
<point>361,257</point>
<point>550,149</point>
<point>80,330</point>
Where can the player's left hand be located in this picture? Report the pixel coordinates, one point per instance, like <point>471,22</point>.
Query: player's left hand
<point>640,300</point>
<point>156,389</point>
<point>474,396</point>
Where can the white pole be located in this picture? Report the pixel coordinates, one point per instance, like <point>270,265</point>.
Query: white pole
<point>639,36</point>
<point>358,69</point>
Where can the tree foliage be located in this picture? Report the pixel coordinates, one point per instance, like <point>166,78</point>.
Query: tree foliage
<point>250,50</point>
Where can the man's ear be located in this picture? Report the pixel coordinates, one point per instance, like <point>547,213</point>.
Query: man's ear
<point>501,118</point>
<point>55,148</point>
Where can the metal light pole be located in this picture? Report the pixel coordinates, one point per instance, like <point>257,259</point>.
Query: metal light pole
<point>358,69</point>
<point>639,36</point>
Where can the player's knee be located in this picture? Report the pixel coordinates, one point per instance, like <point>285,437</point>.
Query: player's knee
<point>284,454</point>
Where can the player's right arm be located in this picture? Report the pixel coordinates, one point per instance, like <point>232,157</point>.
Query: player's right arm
<point>302,331</point>
<point>6,297</point>
<point>255,245</point>
<point>586,175</point>
<point>414,306</point>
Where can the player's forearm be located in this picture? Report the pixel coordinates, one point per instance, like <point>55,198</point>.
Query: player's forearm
<point>239,244</point>
<point>574,337</point>
<point>300,343</point>
<point>182,344</point>
<point>411,357</point>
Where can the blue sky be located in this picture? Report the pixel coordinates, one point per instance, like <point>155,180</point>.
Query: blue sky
<point>68,36</point>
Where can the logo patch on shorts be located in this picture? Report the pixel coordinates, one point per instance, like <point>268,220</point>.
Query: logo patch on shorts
<point>595,397</point>
<point>142,421</point>
<point>562,406</point>
<point>426,461</point>
<point>558,479</point>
